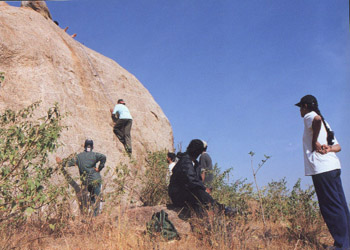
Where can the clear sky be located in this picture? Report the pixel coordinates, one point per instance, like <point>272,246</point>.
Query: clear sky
<point>230,71</point>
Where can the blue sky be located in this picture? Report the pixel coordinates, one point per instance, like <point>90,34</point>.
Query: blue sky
<point>230,72</point>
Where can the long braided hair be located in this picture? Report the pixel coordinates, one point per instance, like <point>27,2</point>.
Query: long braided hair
<point>330,133</point>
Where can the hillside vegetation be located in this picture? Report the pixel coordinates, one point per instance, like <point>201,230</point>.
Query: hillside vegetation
<point>39,212</point>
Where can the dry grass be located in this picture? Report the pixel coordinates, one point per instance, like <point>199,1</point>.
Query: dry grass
<point>107,232</point>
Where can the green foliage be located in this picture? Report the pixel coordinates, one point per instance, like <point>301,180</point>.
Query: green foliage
<point>304,218</point>
<point>298,209</point>
<point>154,181</point>
<point>303,200</point>
<point>235,194</point>
<point>275,198</point>
<point>121,177</point>
<point>25,144</point>
<point>282,205</point>
<point>2,77</point>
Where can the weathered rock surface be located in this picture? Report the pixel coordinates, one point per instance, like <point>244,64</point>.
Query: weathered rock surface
<point>42,62</point>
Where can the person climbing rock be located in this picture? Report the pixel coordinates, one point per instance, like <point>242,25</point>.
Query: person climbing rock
<point>123,122</point>
<point>89,173</point>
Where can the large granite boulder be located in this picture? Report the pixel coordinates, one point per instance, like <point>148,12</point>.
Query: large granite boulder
<point>42,62</point>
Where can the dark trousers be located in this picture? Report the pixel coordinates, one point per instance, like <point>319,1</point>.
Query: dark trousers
<point>196,199</point>
<point>333,206</point>
<point>122,130</point>
<point>95,191</point>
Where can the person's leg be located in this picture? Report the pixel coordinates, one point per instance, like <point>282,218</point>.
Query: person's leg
<point>331,206</point>
<point>84,198</point>
<point>127,136</point>
<point>200,200</point>
<point>118,130</point>
<point>345,206</point>
<point>203,197</point>
<point>95,190</point>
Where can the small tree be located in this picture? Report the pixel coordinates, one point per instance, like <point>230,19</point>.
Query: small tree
<point>154,181</point>
<point>255,172</point>
<point>25,175</point>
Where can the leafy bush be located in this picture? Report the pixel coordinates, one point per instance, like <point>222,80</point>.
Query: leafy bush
<point>305,222</point>
<point>231,193</point>
<point>154,181</point>
<point>25,175</point>
<point>275,197</point>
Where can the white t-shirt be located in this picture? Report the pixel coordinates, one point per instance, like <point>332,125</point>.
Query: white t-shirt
<point>171,166</point>
<point>316,163</point>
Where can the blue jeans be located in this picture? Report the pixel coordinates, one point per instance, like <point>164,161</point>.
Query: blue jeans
<point>333,206</point>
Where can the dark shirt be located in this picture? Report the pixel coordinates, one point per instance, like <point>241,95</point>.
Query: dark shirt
<point>86,162</point>
<point>185,175</point>
<point>206,165</point>
<point>186,186</point>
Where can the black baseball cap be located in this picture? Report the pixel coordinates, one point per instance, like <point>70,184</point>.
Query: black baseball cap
<point>308,99</point>
<point>121,101</point>
<point>89,143</point>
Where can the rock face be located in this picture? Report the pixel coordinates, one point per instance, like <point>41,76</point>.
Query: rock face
<point>42,62</point>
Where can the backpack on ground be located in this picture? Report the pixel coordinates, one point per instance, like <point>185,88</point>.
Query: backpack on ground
<point>161,224</point>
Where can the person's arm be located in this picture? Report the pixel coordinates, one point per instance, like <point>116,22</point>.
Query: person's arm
<point>115,110</point>
<point>202,166</point>
<point>102,159</point>
<point>331,148</point>
<point>316,126</point>
<point>203,175</point>
<point>71,162</point>
<point>113,115</point>
<point>191,180</point>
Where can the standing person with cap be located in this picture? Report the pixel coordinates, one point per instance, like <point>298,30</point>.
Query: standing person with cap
<point>123,123</point>
<point>206,168</point>
<point>321,162</point>
<point>89,173</point>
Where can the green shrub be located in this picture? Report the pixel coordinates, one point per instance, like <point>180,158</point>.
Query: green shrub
<point>235,194</point>
<point>275,197</point>
<point>154,181</point>
<point>25,175</point>
<point>305,222</point>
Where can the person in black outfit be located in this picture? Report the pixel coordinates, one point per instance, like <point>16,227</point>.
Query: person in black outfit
<point>186,188</point>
